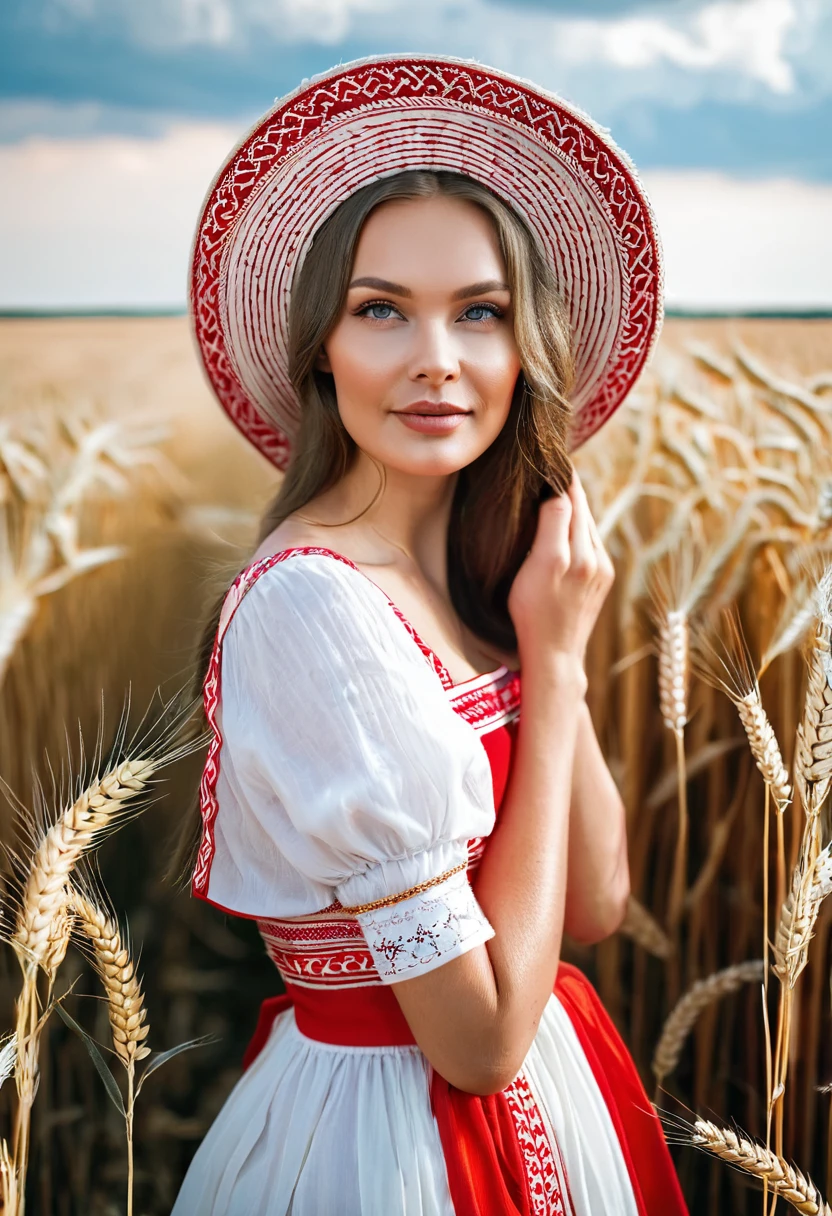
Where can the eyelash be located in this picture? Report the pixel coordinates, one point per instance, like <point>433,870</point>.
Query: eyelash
<point>492,308</point>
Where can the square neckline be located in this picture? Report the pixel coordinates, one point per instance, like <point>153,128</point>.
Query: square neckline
<point>429,653</point>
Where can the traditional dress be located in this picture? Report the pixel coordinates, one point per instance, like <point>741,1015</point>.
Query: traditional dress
<point>349,793</point>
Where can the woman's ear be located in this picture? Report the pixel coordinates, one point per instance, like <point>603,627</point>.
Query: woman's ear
<point>322,363</point>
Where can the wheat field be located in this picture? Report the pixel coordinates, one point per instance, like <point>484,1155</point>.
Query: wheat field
<point>127,500</point>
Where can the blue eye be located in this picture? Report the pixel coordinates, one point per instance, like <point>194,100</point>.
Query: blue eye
<point>372,310</point>
<point>487,311</point>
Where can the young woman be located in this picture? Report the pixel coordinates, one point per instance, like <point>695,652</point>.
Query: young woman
<point>424,281</point>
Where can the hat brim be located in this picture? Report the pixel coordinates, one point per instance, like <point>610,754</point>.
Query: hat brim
<point>369,119</point>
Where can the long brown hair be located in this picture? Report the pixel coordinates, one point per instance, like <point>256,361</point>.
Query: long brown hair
<point>494,509</point>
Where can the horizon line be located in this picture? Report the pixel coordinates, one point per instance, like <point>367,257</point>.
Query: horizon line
<point>682,313</point>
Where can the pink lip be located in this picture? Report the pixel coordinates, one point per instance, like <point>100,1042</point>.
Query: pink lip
<point>432,417</point>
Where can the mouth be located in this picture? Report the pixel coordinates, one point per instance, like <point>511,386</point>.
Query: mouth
<point>432,417</point>
<point>433,409</point>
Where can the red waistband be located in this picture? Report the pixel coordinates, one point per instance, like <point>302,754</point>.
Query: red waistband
<point>351,1017</point>
<point>346,1017</point>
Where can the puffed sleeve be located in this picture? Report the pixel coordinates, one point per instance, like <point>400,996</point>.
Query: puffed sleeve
<point>346,774</point>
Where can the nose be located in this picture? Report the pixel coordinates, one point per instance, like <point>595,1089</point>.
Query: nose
<point>435,359</point>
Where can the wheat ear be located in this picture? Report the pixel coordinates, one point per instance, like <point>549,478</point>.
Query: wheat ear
<point>125,1000</point>
<point>683,1016</point>
<point>781,1178</point>
<point>643,928</point>
<point>764,747</point>
<point>813,758</point>
<point>798,916</point>
<point>673,669</point>
<point>76,831</point>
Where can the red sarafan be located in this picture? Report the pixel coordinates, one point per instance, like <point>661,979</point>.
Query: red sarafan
<point>506,1153</point>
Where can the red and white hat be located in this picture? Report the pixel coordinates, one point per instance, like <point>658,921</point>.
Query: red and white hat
<point>375,117</point>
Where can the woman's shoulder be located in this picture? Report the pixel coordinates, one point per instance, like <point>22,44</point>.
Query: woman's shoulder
<point>317,600</point>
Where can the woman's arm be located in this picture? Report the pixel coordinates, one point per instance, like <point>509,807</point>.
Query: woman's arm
<point>598,876</point>
<point>476,1016</point>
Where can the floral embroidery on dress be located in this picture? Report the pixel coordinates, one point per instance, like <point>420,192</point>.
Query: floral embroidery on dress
<point>418,933</point>
<point>545,1190</point>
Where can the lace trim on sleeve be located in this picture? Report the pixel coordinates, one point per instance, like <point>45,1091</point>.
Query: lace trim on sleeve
<point>416,935</point>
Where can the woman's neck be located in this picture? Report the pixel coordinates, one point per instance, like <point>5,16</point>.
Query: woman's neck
<point>410,514</point>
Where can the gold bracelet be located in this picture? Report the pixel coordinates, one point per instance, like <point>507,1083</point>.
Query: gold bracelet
<point>398,899</point>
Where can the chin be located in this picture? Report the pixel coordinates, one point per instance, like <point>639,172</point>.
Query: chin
<point>436,461</point>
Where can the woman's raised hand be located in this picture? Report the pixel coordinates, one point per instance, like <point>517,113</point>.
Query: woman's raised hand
<point>558,591</point>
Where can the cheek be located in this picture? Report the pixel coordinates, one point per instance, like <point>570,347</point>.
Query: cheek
<point>360,367</point>
<point>495,373</point>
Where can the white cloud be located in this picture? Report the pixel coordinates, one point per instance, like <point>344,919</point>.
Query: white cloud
<point>108,222</point>
<point>747,37</point>
<point>743,244</point>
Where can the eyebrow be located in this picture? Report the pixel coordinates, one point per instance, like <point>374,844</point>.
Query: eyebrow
<point>464,293</point>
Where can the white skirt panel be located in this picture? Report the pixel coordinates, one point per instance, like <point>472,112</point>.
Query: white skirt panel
<point>312,1128</point>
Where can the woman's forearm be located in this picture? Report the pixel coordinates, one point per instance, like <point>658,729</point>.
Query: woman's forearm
<point>598,880</point>
<point>522,880</point>
<point>497,992</point>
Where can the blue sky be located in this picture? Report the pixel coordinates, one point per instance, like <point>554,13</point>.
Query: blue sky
<point>114,115</point>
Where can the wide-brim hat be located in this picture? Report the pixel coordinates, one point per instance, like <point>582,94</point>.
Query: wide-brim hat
<point>371,118</point>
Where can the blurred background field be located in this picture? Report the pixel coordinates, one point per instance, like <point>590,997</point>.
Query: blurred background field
<point>110,438</point>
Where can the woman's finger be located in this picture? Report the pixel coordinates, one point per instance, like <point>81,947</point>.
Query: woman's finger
<point>552,535</point>
<point>583,556</point>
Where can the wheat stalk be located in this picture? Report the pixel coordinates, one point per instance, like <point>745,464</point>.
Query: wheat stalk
<point>43,921</point>
<point>699,996</point>
<point>781,1178</point>
<point>725,663</point>
<point>8,1181</point>
<point>125,1001</point>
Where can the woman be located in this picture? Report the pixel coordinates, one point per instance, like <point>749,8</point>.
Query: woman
<point>475,284</point>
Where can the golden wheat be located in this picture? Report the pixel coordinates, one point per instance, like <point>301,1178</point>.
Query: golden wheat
<point>813,761</point>
<point>699,996</point>
<point>799,915</point>
<point>643,928</point>
<point>125,1000</point>
<point>781,1178</point>
<point>764,747</point>
<point>76,831</point>
<point>673,669</point>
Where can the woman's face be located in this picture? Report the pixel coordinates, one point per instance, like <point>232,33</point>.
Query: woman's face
<point>423,354</point>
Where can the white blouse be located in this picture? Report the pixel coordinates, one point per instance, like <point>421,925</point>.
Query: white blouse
<point>345,774</point>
